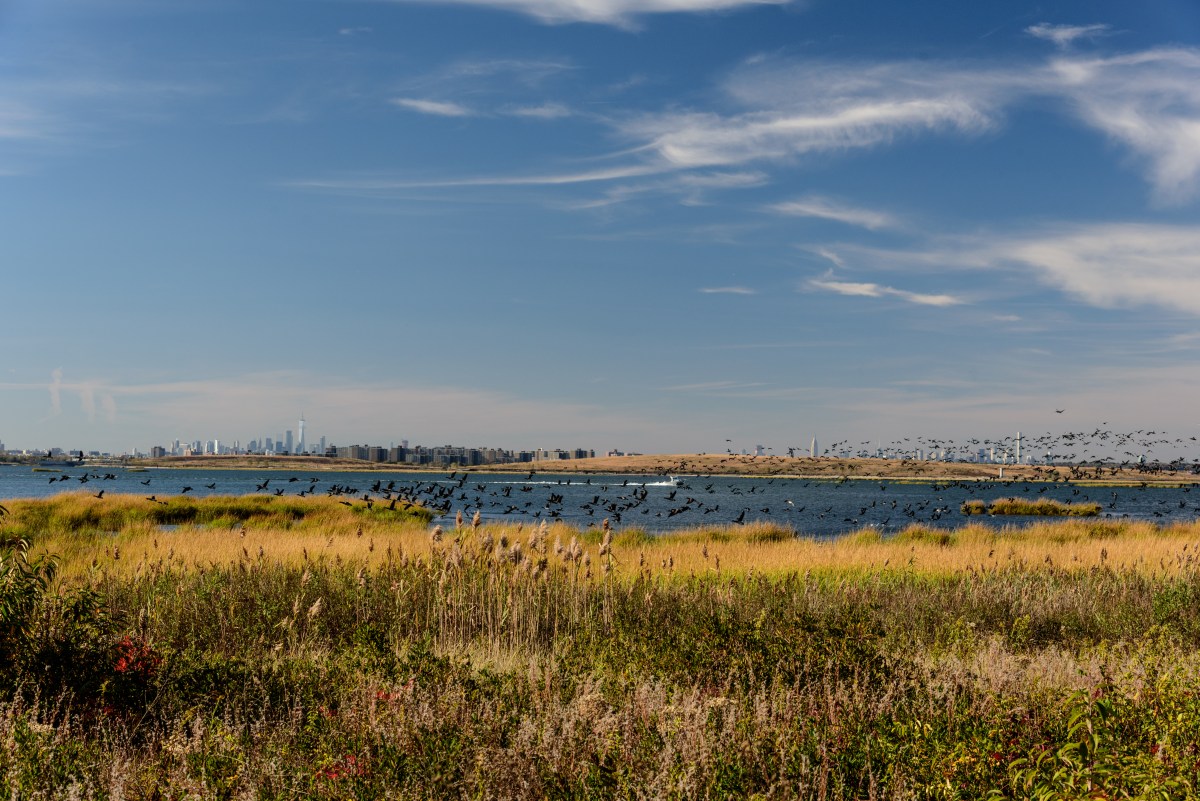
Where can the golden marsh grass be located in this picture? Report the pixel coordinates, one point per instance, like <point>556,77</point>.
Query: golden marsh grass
<point>121,532</point>
<point>1041,507</point>
<point>254,648</point>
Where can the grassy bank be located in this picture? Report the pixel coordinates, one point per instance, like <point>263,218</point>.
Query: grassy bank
<point>1040,507</point>
<point>358,656</point>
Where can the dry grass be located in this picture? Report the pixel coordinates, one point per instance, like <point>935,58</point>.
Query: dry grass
<point>529,662</point>
<point>125,533</point>
<point>1041,507</point>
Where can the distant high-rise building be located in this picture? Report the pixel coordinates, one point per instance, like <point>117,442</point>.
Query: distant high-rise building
<point>812,449</point>
<point>300,443</point>
<point>287,441</point>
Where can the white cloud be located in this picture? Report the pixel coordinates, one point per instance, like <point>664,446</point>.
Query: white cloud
<point>1147,101</point>
<point>545,111</point>
<point>693,188</point>
<point>1104,265</point>
<point>374,185</point>
<point>827,209</point>
<point>439,108</point>
<point>709,140</point>
<point>829,255</point>
<point>1065,35</point>
<point>1117,265</point>
<point>869,290</point>
<point>609,12</point>
<point>786,112</point>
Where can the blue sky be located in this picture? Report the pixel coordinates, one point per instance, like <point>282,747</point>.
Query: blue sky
<point>652,226</point>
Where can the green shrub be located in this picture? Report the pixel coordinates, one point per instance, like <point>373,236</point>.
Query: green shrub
<point>22,584</point>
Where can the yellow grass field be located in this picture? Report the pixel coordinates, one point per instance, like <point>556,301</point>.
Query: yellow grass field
<point>124,533</point>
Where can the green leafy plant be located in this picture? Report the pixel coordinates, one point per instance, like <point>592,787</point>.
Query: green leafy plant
<point>23,582</point>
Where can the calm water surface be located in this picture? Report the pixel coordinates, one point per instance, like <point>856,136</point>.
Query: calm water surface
<point>656,503</point>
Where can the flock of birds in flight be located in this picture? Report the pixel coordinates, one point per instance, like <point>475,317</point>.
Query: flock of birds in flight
<point>1142,449</point>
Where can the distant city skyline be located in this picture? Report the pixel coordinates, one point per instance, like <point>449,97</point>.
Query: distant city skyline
<point>1099,445</point>
<point>649,227</point>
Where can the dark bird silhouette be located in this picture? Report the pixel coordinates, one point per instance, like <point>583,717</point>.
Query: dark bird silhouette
<point>100,494</point>
<point>146,482</point>
<point>185,490</point>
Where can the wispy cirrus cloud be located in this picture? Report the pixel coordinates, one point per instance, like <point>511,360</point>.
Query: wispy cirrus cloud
<point>871,290</point>
<point>690,140</point>
<point>1108,265</point>
<point>827,209</point>
<point>438,108</point>
<point>780,114</point>
<point>1148,101</point>
<point>621,13</point>
<point>1116,265</point>
<point>527,72</point>
<point>830,256</point>
<point>544,111</point>
<point>372,185</point>
<point>692,188</point>
<point>1065,35</point>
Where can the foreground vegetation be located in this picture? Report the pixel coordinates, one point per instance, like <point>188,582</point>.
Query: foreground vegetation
<point>278,648</point>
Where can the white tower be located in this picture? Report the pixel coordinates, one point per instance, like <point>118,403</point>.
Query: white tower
<point>812,449</point>
<point>300,444</point>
